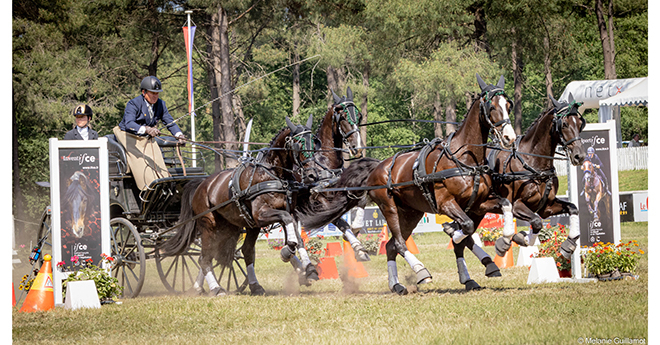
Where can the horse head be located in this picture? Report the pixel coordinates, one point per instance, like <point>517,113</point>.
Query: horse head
<point>568,123</point>
<point>300,142</point>
<point>588,169</point>
<point>76,197</point>
<point>495,106</point>
<point>347,118</point>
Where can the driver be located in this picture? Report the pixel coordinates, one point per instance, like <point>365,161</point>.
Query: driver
<point>593,158</point>
<point>138,128</point>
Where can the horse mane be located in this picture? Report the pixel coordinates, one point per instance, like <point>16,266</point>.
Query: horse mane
<point>537,120</point>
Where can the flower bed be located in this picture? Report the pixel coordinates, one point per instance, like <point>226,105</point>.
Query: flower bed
<point>550,248</point>
<point>489,235</point>
<point>607,261</point>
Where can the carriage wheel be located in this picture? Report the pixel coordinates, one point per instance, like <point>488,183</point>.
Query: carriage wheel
<point>129,265</point>
<point>179,272</point>
<point>43,238</point>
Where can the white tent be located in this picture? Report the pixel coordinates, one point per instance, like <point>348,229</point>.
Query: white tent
<point>608,96</point>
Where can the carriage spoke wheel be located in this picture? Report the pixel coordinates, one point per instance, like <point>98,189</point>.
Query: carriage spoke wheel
<point>129,265</point>
<point>179,272</point>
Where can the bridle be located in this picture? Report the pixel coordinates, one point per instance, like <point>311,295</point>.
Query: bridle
<point>559,119</point>
<point>486,105</point>
<point>353,117</point>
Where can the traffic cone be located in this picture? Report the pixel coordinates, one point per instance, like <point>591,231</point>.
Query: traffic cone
<point>412,246</point>
<point>506,261</point>
<point>327,268</point>
<point>40,297</point>
<point>13,295</point>
<point>333,249</point>
<point>355,269</point>
<point>384,238</point>
<point>451,244</point>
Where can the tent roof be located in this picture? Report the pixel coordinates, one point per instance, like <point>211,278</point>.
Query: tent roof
<point>635,95</point>
<point>590,92</point>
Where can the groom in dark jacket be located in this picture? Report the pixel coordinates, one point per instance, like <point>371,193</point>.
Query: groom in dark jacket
<point>138,128</point>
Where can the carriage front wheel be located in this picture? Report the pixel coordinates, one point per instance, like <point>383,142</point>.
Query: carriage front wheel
<point>129,265</point>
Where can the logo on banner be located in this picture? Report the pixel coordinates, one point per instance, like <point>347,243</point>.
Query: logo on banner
<point>644,207</point>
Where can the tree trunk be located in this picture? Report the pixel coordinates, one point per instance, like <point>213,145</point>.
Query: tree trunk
<point>548,72</point>
<point>152,68</point>
<point>228,129</point>
<point>450,116</point>
<point>606,39</point>
<point>332,83</point>
<point>296,83</point>
<point>437,116</point>
<point>517,87</point>
<point>365,99</point>
<point>213,71</point>
<point>241,124</point>
<point>480,29</point>
<point>19,210</point>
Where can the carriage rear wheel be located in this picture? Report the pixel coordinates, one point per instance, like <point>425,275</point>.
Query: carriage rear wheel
<point>129,265</point>
<point>179,272</point>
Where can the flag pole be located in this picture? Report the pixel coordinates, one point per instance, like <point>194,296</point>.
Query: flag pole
<point>192,96</point>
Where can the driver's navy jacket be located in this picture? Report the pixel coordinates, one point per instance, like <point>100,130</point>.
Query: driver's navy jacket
<point>136,115</point>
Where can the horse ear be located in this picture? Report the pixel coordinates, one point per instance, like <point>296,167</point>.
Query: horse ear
<point>482,83</point>
<point>554,102</point>
<point>336,98</point>
<point>349,94</point>
<point>310,121</point>
<point>290,124</point>
<point>500,83</point>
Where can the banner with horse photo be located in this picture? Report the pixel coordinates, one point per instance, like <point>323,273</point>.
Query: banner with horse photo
<point>597,182</point>
<point>80,207</point>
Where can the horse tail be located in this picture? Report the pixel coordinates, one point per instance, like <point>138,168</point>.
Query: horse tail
<point>185,234</point>
<point>341,202</point>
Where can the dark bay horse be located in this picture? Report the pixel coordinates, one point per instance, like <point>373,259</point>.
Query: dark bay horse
<point>253,195</point>
<point>526,177</point>
<point>445,177</point>
<point>76,197</point>
<point>594,190</point>
<point>339,126</point>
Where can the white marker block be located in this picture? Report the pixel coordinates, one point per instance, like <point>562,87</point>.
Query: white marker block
<point>543,270</point>
<point>81,294</point>
<point>525,255</point>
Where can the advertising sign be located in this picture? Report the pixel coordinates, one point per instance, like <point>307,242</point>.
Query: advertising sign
<point>597,186</point>
<point>641,207</point>
<point>626,208</point>
<point>80,206</point>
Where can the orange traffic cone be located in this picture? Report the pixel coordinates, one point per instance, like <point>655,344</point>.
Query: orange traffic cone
<point>412,246</point>
<point>333,249</point>
<point>506,261</point>
<point>327,268</point>
<point>384,238</point>
<point>40,297</point>
<point>355,269</point>
<point>13,295</point>
<point>451,244</point>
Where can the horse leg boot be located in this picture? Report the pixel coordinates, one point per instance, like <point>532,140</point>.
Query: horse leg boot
<point>199,282</point>
<point>214,287</point>
<point>491,268</point>
<point>311,274</point>
<point>463,274</point>
<point>503,243</point>
<point>392,272</point>
<point>423,274</point>
<point>360,253</point>
<point>570,244</point>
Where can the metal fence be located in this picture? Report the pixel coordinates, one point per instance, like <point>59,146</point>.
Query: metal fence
<point>629,158</point>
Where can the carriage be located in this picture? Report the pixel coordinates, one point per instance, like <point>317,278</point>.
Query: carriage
<point>141,221</point>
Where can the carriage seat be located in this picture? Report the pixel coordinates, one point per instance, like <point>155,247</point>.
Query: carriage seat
<point>117,163</point>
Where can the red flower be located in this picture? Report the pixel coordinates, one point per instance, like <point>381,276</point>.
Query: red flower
<point>60,264</point>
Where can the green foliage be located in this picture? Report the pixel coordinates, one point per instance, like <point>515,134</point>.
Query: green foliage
<point>107,286</point>
<point>604,258</point>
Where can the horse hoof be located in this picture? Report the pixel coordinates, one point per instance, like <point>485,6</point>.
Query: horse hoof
<point>218,291</point>
<point>423,276</point>
<point>399,289</point>
<point>492,270</point>
<point>520,238</point>
<point>257,290</point>
<point>472,285</point>
<point>362,256</point>
<point>286,254</point>
<point>311,274</point>
<point>567,248</point>
<point>502,245</point>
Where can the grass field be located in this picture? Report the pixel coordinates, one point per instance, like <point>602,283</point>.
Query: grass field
<point>629,180</point>
<point>363,311</point>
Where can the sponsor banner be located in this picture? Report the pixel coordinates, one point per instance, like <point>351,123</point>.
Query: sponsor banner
<point>641,206</point>
<point>80,206</point>
<point>626,207</point>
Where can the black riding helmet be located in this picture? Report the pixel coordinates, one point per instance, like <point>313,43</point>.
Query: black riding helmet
<point>151,83</point>
<point>82,109</point>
